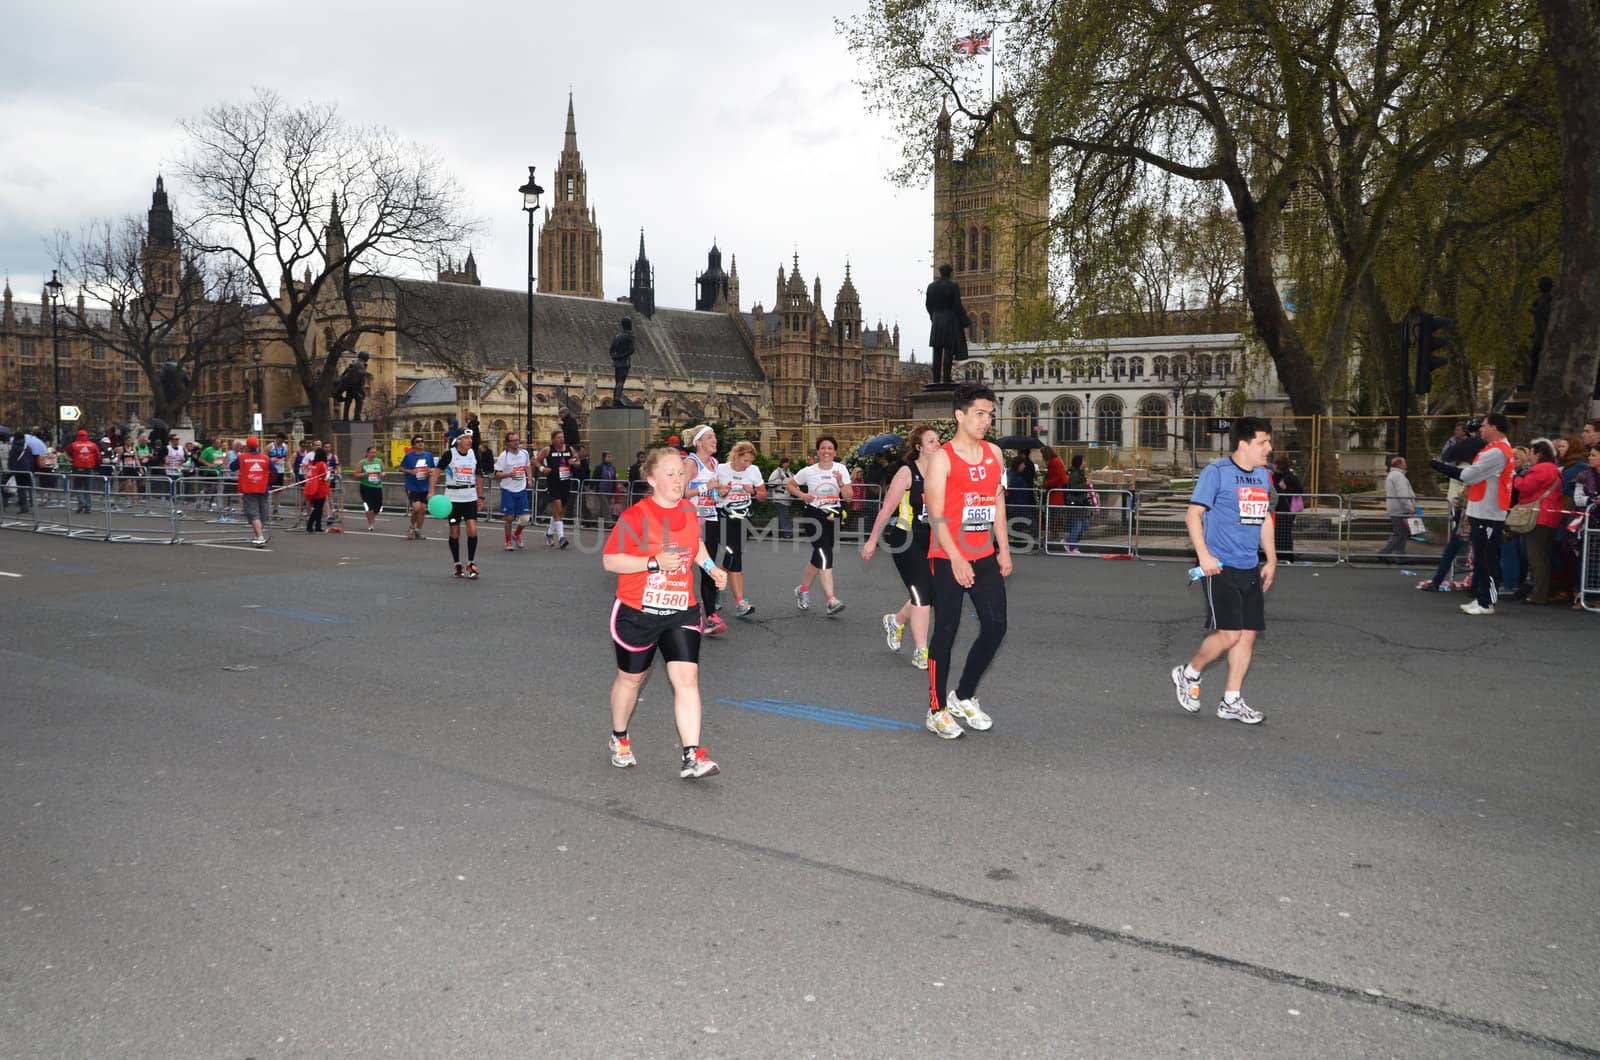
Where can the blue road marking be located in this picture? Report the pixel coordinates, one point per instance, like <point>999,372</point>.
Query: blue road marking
<point>848,719</point>
<point>304,616</point>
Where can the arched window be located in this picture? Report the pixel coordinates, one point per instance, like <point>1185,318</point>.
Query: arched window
<point>1034,371</point>
<point>1161,369</point>
<point>1098,371</point>
<point>1180,366</point>
<point>1136,368</point>
<point>416,427</point>
<point>1224,366</point>
<point>1108,421</point>
<point>438,428</point>
<point>983,327</point>
<point>1153,422</point>
<point>1077,369</point>
<point>972,246</point>
<point>961,254</point>
<point>1197,408</point>
<point>1202,366</point>
<point>1119,367</point>
<point>988,249</point>
<point>1055,371</point>
<point>1068,417</point>
<point>1024,416</point>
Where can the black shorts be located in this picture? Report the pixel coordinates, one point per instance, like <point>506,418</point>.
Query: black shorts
<point>636,635</point>
<point>910,552</point>
<point>415,497</point>
<point>463,511</point>
<point>557,490</point>
<point>1235,600</point>
<point>726,533</point>
<point>372,498</point>
<point>822,530</point>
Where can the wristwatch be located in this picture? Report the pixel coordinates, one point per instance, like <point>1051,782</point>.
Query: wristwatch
<point>651,566</point>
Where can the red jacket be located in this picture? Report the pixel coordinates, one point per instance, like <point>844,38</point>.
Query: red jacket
<point>85,455</point>
<point>1537,481</point>
<point>1055,475</point>
<point>316,480</point>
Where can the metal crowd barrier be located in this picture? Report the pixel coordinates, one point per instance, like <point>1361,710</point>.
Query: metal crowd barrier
<point>1317,534</point>
<point>1588,594</point>
<point>1368,529</point>
<point>1093,522</point>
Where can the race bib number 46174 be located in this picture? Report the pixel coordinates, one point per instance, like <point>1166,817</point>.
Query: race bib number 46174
<point>1254,505</point>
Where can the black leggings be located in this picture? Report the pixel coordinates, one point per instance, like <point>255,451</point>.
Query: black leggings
<point>708,588</point>
<point>314,521</point>
<point>824,536</point>
<point>988,595</point>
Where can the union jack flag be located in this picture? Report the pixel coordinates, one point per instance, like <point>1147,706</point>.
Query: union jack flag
<point>974,43</point>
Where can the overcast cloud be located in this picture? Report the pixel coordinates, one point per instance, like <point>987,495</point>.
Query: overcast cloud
<point>715,120</point>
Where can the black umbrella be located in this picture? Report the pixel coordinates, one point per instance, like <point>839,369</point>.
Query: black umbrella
<point>1020,441</point>
<point>5,434</point>
<point>883,443</point>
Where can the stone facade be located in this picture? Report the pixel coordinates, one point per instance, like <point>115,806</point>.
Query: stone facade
<point>991,208</point>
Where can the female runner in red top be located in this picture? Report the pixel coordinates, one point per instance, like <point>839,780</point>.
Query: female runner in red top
<point>654,550</point>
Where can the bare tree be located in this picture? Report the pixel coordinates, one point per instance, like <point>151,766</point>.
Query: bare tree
<point>195,317</point>
<point>322,217</point>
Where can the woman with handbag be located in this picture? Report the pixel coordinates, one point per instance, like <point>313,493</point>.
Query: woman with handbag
<point>1539,499</point>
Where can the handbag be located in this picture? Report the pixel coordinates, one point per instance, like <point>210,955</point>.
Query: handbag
<point>1524,517</point>
<point>1415,525</point>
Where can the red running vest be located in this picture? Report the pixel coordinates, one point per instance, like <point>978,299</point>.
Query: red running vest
<point>970,504</point>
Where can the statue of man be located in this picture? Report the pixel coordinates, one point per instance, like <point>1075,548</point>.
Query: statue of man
<point>948,336</point>
<point>174,381</point>
<point>622,360</point>
<point>1541,324</point>
<point>352,386</point>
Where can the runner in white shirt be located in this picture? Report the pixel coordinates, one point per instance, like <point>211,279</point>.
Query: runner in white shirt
<point>821,486</point>
<point>738,485</point>
<point>701,464</point>
<point>463,487</point>
<point>511,469</point>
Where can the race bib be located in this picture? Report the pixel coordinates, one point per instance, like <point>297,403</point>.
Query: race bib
<point>565,473</point>
<point>977,517</point>
<point>462,477</point>
<point>661,595</point>
<point>1254,504</point>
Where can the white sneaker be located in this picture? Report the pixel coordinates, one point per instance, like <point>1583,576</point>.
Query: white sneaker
<point>622,753</point>
<point>942,725</point>
<point>919,658</point>
<point>968,711</point>
<point>1474,609</point>
<point>802,598</point>
<point>894,632</point>
<point>1188,691</point>
<point>1238,711</point>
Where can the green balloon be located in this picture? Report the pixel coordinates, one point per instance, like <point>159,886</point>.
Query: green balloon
<point>439,506</point>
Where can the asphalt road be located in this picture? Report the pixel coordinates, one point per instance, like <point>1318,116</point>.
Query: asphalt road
<point>325,800</point>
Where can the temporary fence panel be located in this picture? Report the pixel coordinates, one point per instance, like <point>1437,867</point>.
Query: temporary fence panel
<point>1094,521</point>
<point>1311,531</point>
<point>1588,596</point>
<point>1159,531</point>
<point>1371,535</point>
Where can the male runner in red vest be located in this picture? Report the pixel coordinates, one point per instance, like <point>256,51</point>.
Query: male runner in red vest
<point>255,483</point>
<point>965,494</point>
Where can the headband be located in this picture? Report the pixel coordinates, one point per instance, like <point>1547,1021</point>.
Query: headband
<point>695,440</point>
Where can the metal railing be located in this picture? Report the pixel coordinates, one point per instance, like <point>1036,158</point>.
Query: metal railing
<point>1588,594</point>
<point>1090,521</point>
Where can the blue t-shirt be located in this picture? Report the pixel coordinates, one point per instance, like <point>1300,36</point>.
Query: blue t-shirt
<point>1237,502</point>
<point>409,463</point>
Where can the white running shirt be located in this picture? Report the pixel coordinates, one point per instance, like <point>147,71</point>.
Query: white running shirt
<point>461,476</point>
<point>509,461</point>
<point>737,489</point>
<point>822,486</point>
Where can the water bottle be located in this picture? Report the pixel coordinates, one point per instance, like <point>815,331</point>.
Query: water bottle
<point>1196,573</point>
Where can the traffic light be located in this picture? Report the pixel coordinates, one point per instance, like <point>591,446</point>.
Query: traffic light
<point>1431,338</point>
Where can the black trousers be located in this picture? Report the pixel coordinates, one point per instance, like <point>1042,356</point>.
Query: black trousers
<point>988,594</point>
<point>1486,537</point>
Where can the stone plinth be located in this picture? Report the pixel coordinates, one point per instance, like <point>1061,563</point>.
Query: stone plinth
<point>622,432</point>
<point>350,441</point>
<point>932,402</point>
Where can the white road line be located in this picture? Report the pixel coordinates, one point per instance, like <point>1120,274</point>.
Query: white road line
<point>235,548</point>
<point>8,574</point>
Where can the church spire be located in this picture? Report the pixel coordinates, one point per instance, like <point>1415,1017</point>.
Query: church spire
<point>571,141</point>
<point>642,293</point>
<point>570,245</point>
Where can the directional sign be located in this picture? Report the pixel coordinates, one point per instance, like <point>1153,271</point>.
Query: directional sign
<point>1219,425</point>
<point>71,413</point>
<point>257,421</point>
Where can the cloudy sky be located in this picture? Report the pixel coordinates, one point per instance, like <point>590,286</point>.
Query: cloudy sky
<point>714,120</point>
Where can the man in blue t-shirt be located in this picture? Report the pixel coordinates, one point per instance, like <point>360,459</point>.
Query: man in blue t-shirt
<point>1230,522</point>
<point>418,466</point>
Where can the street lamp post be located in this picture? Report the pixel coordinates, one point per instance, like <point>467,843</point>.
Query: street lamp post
<point>53,289</point>
<point>530,205</point>
<point>261,409</point>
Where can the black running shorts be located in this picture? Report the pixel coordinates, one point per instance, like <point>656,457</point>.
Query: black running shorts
<point>910,552</point>
<point>463,511</point>
<point>1234,600</point>
<point>636,635</point>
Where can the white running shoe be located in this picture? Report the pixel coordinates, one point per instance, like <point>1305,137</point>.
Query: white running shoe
<point>835,605</point>
<point>968,711</point>
<point>1474,609</point>
<point>894,632</point>
<point>802,598</point>
<point>1238,710</point>
<point>622,753</point>
<point>1188,691</point>
<point>919,658</point>
<point>942,725</point>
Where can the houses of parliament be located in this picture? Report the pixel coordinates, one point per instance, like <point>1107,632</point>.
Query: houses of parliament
<point>778,369</point>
